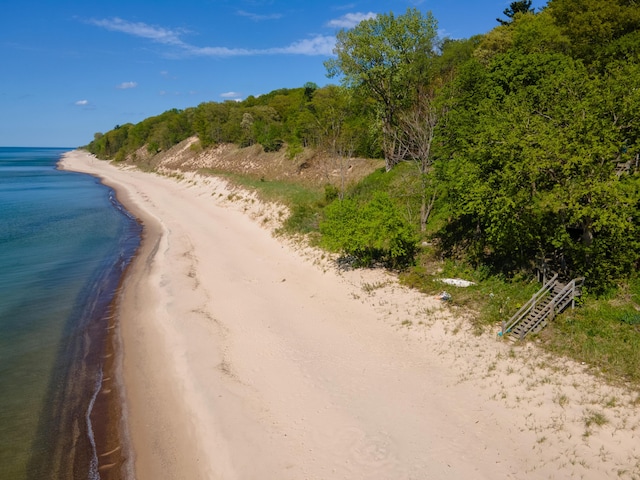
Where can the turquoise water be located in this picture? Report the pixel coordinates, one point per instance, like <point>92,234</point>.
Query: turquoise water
<point>64,243</point>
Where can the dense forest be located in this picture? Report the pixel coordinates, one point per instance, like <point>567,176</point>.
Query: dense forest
<point>504,150</point>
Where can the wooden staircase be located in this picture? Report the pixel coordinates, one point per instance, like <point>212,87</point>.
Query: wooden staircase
<point>553,298</point>
<point>627,167</point>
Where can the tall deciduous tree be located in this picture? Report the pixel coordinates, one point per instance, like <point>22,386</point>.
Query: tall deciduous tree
<point>420,122</point>
<point>415,138</point>
<point>521,6</point>
<point>385,57</point>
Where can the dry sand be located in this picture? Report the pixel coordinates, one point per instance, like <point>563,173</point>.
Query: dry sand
<point>245,357</point>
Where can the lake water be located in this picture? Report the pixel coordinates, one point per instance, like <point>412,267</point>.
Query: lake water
<point>64,244</point>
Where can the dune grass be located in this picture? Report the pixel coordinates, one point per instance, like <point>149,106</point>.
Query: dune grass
<point>604,334</point>
<point>304,202</point>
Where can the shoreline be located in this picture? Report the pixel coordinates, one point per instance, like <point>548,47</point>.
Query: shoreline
<point>115,453</point>
<point>243,357</point>
<point>132,462</point>
<point>105,417</point>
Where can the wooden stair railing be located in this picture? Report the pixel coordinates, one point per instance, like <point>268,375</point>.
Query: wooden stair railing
<point>628,166</point>
<point>551,299</point>
<point>530,306</point>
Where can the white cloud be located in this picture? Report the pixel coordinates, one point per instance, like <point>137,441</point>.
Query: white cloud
<point>82,103</point>
<point>259,18</point>
<point>317,45</point>
<point>219,51</point>
<point>442,34</point>
<point>139,29</point>
<point>347,6</point>
<point>167,75</point>
<point>350,20</point>
<point>230,95</point>
<point>127,85</point>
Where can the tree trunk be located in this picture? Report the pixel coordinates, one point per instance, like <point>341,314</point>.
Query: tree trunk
<point>426,208</point>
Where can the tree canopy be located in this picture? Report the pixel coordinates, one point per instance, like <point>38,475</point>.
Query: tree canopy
<point>386,58</point>
<point>521,6</point>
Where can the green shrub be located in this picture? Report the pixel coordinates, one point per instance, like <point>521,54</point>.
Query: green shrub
<point>271,144</point>
<point>375,232</point>
<point>303,218</point>
<point>331,193</point>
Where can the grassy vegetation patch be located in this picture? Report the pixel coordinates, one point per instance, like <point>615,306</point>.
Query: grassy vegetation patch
<point>492,298</point>
<point>287,193</point>
<point>598,335</point>
<point>305,203</point>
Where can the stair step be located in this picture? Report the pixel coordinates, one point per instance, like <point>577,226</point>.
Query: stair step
<point>538,316</point>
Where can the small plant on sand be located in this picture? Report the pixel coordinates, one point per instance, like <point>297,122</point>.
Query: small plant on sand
<point>172,174</point>
<point>592,418</point>
<point>371,287</point>
<point>561,399</point>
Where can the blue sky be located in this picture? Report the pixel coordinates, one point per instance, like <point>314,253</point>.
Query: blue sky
<point>72,68</point>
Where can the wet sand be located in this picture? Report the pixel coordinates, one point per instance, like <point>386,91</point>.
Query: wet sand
<point>245,357</point>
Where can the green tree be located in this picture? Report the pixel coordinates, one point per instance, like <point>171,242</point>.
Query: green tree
<point>331,108</point>
<point>309,90</point>
<point>520,6</point>
<point>209,121</point>
<point>539,33</point>
<point>265,127</point>
<point>171,127</point>
<point>591,25</point>
<point>247,129</point>
<point>415,139</point>
<point>385,56</point>
<point>107,145</point>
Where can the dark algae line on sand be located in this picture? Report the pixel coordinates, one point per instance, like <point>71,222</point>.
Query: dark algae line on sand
<point>65,243</point>
<point>83,415</point>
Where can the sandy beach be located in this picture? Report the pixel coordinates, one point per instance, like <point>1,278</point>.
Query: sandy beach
<point>244,356</point>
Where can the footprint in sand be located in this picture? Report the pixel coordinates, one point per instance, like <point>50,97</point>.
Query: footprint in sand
<point>371,450</point>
